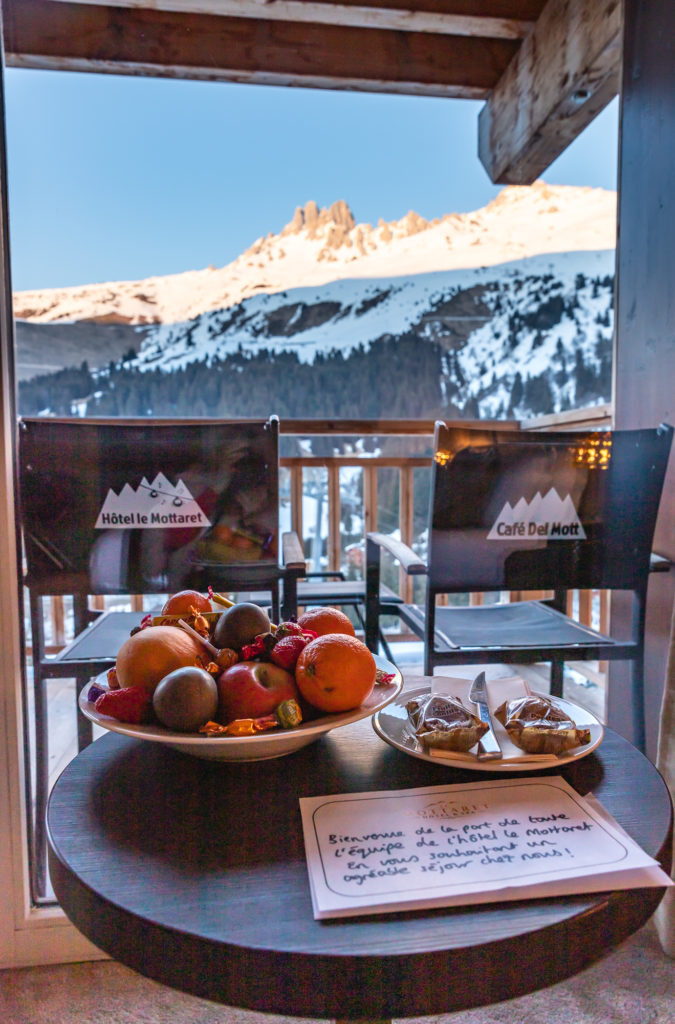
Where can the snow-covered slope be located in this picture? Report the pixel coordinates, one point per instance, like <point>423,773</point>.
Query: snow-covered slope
<point>529,317</point>
<point>515,302</point>
<point>322,246</point>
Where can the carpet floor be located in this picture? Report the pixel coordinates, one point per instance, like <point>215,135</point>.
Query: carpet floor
<point>635,985</point>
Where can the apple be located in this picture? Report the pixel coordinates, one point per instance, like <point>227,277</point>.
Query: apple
<point>251,689</point>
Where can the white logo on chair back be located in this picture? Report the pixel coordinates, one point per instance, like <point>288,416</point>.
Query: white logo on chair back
<point>550,517</point>
<point>151,506</point>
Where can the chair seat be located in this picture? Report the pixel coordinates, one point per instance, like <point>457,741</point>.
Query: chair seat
<point>341,592</point>
<point>521,624</point>
<point>102,639</point>
<point>328,592</point>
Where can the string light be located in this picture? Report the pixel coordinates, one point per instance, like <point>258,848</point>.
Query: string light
<point>594,452</point>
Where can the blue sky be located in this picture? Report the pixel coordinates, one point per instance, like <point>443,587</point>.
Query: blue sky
<point>118,178</point>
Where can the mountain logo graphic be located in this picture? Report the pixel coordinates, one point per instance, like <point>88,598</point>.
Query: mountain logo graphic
<point>550,517</point>
<point>152,506</point>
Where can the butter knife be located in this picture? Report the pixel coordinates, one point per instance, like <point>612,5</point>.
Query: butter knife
<point>488,748</point>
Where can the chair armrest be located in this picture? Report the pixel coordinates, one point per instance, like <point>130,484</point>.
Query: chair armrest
<point>410,561</point>
<point>293,557</point>
<point>337,575</point>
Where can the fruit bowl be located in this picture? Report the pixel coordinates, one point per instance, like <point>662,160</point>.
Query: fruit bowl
<point>262,747</point>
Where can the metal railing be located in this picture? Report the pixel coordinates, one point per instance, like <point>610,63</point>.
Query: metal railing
<point>298,466</point>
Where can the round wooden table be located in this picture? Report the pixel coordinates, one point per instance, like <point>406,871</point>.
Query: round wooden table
<point>193,873</point>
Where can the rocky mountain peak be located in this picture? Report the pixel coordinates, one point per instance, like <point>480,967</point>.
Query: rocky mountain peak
<point>310,218</point>
<point>324,244</point>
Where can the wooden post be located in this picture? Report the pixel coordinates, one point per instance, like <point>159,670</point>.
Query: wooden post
<point>585,607</point>
<point>370,498</point>
<point>334,547</point>
<point>58,620</point>
<point>405,519</point>
<point>296,500</point>
<point>644,354</point>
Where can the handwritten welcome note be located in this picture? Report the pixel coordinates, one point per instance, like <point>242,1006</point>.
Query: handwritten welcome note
<point>473,843</point>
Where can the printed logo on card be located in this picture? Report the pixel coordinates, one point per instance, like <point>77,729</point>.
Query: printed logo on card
<point>155,505</point>
<point>550,518</point>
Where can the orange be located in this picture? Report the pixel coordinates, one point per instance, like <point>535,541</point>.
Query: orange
<point>335,672</point>
<point>186,602</point>
<point>326,620</point>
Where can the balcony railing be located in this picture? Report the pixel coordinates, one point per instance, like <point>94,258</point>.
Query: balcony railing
<point>591,609</point>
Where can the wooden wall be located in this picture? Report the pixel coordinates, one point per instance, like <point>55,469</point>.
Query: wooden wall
<point>644,364</point>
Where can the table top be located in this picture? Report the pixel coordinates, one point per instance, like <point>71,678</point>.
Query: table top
<point>193,873</point>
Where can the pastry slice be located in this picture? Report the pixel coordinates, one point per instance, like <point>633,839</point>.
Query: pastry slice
<point>444,722</point>
<point>538,726</point>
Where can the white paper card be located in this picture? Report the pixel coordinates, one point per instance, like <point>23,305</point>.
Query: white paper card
<point>466,843</point>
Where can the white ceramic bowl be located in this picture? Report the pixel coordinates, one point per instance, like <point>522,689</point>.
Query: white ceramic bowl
<point>250,748</point>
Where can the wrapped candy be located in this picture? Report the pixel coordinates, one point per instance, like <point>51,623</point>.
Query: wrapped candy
<point>444,722</point>
<point>539,726</point>
<point>287,715</point>
<point>241,726</point>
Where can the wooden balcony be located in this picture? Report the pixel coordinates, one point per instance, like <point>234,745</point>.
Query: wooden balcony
<point>299,468</point>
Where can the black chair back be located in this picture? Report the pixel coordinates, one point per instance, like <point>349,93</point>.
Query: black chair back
<point>544,511</point>
<point>147,506</point>
<point>136,507</point>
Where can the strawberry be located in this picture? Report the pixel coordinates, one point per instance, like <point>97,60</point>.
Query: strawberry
<point>286,652</point>
<point>130,704</point>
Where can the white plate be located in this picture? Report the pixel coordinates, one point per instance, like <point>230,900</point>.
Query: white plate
<point>391,724</point>
<point>250,748</point>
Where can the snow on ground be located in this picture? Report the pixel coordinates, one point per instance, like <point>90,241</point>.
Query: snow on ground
<point>218,334</point>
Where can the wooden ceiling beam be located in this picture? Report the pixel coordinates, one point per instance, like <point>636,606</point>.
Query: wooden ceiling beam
<point>82,37</point>
<point>435,16</point>
<point>565,72</point>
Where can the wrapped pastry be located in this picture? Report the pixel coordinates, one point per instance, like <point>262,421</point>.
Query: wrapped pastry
<point>444,722</point>
<point>538,726</point>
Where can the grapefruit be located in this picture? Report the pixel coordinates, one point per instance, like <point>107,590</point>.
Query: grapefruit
<point>149,655</point>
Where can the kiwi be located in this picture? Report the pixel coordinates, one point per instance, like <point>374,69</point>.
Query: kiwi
<point>186,699</point>
<point>239,625</point>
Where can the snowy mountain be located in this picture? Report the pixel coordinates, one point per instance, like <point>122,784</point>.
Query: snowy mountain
<point>491,323</point>
<point>321,246</point>
<point>507,310</point>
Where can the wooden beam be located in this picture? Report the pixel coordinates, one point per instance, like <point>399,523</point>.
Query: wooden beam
<point>565,72</point>
<point>644,339</point>
<point>83,37</point>
<point>409,15</point>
